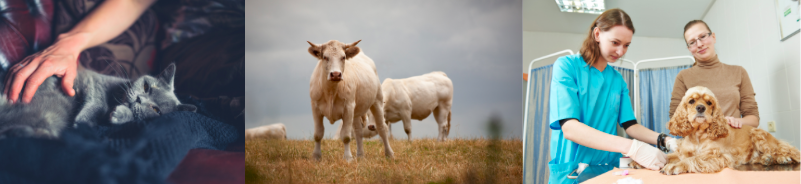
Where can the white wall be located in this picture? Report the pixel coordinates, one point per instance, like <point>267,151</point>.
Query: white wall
<point>538,44</point>
<point>747,33</point>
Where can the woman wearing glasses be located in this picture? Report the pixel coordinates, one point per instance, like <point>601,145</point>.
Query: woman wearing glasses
<point>730,83</point>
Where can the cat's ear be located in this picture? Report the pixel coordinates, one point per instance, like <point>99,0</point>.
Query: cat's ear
<point>168,75</point>
<point>186,107</point>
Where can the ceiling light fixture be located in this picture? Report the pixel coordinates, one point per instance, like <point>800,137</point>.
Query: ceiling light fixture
<point>581,6</point>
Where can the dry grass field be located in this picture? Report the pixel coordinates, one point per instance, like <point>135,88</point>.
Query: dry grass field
<point>420,161</point>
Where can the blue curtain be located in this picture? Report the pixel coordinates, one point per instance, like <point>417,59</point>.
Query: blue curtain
<point>656,86</point>
<point>538,133</point>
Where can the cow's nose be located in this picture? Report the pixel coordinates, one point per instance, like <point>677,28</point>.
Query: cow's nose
<point>335,76</point>
<point>700,108</point>
<point>371,127</point>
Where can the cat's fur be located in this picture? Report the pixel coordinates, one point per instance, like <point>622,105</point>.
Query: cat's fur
<point>99,99</point>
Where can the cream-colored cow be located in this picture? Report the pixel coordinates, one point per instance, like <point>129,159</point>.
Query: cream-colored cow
<point>274,131</point>
<point>418,97</point>
<point>345,85</point>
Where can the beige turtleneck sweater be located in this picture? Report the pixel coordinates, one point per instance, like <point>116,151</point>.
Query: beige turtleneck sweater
<point>730,83</point>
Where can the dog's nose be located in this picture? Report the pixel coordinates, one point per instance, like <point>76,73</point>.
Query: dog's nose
<point>700,108</point>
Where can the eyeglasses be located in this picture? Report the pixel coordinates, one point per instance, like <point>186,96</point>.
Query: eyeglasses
<point>692,43</point>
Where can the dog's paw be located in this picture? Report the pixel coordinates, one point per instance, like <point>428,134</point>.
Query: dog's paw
<point>766,159</point>
<point>635,165</point>
<point>674,169</point>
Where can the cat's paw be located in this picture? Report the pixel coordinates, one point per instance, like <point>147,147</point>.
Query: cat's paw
<point>120,115</point>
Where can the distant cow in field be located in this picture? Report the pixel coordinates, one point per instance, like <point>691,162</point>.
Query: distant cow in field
<point>345,85</point>
<point>274,131</point>
<point>416,98</point>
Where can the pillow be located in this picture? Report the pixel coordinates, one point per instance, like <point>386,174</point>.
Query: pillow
<point>129,55</point>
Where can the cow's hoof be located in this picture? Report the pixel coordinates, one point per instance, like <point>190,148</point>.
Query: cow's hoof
<point>317,156</point>
<point>349,159</point>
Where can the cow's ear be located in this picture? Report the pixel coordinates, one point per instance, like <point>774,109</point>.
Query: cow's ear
<point>315,50</point>
<point>352,50</point>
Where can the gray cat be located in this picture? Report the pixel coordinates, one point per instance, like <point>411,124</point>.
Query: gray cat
<point>99,99</point>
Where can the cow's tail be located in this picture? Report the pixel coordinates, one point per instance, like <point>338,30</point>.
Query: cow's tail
<point>449,119</point>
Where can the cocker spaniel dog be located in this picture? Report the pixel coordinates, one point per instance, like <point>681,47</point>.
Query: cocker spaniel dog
<point>709,144</point>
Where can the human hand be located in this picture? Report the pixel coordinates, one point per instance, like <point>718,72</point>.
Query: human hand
<point>646,155</point>
<point>671,144</point>
<point>734,122</point>
<point>60,59</point>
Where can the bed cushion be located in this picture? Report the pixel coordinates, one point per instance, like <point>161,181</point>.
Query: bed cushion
<point>25,29</point>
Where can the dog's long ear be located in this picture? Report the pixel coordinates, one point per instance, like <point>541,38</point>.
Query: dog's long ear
<point>718,127</point>
<point>679,124</point>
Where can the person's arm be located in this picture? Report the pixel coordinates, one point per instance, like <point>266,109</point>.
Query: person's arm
<point>590,137</point>
<point>643,134</point>
<point>748,105</point>
<point>644,154</point>
<point>108,20</point>
<point>679,88</point>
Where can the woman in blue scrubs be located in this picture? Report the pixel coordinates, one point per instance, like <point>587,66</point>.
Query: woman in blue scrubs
<point>589,99</point>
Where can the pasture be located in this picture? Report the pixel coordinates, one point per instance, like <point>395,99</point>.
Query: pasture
<point>457,160</point>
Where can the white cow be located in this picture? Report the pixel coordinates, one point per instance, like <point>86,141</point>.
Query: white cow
<point>416,98</point>
<point>274,131</point>
<point>368,127</point>
<point>345,85</point>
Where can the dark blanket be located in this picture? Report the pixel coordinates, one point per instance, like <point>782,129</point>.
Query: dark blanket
<point>136,152</point>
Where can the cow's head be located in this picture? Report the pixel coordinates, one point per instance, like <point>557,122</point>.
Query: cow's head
<point>333,55</point>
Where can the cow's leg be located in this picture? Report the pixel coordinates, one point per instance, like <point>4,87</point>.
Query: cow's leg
<point>339,131</point>
<point>407,124</point>
<point>347,128</point>
<point>389,128</point>
<point>319,130</point>
<point>378,114</point>
<point>441,115</point>
<point>357,130</point>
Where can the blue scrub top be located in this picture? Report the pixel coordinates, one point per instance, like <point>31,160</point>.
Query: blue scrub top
<point>598,99</point>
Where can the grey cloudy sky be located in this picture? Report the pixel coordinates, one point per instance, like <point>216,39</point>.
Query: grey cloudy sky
<point>477,43</point>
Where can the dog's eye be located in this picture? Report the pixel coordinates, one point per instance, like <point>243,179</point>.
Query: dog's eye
<point>692,101</point>
<point>708,103</point>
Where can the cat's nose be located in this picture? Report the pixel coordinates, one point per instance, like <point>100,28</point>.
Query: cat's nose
<point>138,99</point>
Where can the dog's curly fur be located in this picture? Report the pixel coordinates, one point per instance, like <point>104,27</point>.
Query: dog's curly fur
<point>709,144</point>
